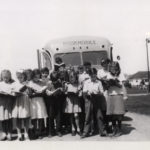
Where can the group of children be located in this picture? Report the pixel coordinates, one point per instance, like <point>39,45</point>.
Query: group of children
<point>80,101</point>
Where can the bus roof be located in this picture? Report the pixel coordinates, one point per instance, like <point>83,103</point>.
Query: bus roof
<point>77,44</point>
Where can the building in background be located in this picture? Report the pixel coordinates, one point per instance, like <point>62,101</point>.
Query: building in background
<point>138,79</point>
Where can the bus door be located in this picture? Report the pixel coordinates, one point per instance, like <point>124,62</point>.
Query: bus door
<point>44,59</point>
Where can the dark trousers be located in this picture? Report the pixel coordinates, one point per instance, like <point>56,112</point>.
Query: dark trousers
<point>93,109</point>
<point>82,114</point>
<point>55,113</point>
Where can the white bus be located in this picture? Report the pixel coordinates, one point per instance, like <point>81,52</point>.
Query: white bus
<point>75,51</point>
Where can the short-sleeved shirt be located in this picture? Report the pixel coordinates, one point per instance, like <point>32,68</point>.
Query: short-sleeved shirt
<point>93,87</point>
<point>82,77</point>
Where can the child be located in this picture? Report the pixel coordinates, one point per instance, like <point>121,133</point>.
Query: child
<point>6,104</point>
<point>58,77</point>
<point>21,109</point>
<point>102,76</point>
<point>48,101</point>
<point>94,104</point>
<point>82,77</point>
<point>115,102</point>
<point>38,108</point>
<point>28,73</point>
<point>72,104</point>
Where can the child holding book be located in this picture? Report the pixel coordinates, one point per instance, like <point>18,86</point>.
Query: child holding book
<point>6,104</point>
<point>21,108</point>
<point>115,101</point>
<point>94,105</point>
<point>72,103</point>
<point>38,107</point>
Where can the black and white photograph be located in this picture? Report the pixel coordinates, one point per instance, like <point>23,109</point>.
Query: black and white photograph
<point>74,70</point>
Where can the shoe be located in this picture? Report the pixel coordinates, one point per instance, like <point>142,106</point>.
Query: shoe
<point>91,133</point>
<point>73,133</point>
<point>40,137</point>
<point>103,134</point>
<point>79,133</point>
<point>26,137</point>
<point>9,137</point>
<point>50,136</point>
<point>4,138</point>
<point>21,138</point>
<point>83,136</point>
<point>59,134</point>
<point>118,133</point>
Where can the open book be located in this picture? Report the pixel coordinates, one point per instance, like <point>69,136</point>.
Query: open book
<point>37,88</point>
<point>20,88</point>
<point>55,92</point>
<point>6,93</point>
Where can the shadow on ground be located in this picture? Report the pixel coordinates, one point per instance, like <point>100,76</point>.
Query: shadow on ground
<point>126,127</point>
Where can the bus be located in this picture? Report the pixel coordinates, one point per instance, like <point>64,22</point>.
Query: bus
<point>74,51</point>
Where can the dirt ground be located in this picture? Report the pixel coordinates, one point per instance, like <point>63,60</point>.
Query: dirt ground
<point>136,127</point>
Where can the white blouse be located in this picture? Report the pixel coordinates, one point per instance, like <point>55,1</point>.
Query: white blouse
<point>114,90</point>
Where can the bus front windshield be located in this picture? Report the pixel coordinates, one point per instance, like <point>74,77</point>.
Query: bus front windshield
<point>74,59</point>
<point>70,58</point>
<point>94,57</point>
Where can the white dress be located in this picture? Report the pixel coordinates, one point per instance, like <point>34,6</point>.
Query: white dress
<point>38,107</point>
<point>6,101</point>
<point>115,102</point>
<point>21,108</point>
<point>72,103</point>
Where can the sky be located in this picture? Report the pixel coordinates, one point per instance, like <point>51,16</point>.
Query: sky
<point>27,25</point>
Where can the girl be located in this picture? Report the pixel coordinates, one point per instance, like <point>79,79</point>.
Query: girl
<point>6,103</point>
<point>38,107</point>
<point>28,73</point>
<point>72,104</point>
<point>115,102</point>
<point>21,109</point>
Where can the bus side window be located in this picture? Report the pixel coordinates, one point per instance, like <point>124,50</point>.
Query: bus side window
<point>47,61</point>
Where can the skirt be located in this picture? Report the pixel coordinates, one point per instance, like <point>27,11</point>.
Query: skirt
<point>72,104</point>
<point>38,108</point>
<point>115,105</point>
<point>21,108</point>
<point>6,105</point>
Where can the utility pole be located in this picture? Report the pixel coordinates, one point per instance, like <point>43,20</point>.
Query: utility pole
<point>148,41</point>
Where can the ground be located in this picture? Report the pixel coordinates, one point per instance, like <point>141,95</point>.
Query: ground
<point>136,127</point>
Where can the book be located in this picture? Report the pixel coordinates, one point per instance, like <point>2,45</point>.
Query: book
<point>4,93</point>
<point>37,88</point>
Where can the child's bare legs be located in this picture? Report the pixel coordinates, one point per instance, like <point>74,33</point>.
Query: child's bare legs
<point>4,132</point>
<point>73,126</point>
<point>7,126</point>
<point>39,127</point>
<point>25,123</point>
<point>19,127</point>
<point>76,116</point>
<point>35,126</point>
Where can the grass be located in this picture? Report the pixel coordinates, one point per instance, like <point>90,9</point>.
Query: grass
<point>139,104</point>
<point>135,90</point>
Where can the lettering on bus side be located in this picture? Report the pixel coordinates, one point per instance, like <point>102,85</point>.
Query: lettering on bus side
<point>92,42</point>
